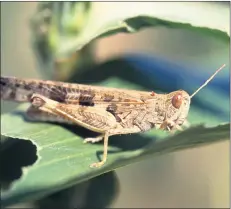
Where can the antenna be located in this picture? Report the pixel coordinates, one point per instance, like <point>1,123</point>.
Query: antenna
<point>206,82</point>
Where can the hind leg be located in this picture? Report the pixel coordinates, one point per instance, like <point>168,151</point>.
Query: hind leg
<point>94,119</point>
<point>35,114</point>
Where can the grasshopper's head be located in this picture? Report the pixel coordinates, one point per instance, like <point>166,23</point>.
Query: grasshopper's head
<point>178,102</point>
<point>177,106</point>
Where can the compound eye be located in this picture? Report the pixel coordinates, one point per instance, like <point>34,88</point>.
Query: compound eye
<point>177,100</point>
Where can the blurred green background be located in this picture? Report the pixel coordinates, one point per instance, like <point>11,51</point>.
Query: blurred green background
<point>195,178</point>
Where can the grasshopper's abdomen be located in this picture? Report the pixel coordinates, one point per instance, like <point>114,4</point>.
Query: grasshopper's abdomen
<point>21,90</point>
<point>14,89</point>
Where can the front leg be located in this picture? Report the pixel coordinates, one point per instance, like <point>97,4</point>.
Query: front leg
<point>171,126</point>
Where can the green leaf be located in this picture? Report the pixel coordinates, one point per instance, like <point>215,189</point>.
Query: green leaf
<point>132,25</point>
<point>148,15</point>
<point>63,160</point>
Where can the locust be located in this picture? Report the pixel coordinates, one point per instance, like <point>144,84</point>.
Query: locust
<point>107,111</point>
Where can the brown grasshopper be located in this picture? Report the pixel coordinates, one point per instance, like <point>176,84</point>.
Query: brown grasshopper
<point>108,111</point>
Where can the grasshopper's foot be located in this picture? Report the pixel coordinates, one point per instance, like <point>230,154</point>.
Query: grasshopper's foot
<point>105,145</point>
<point>98,164</point>
<point>93,140</point>
<point>186,124</point>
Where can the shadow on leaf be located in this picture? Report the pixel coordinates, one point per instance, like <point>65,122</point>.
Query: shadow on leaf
<point>99,192</point>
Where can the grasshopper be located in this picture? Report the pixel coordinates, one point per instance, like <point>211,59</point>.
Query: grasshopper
<point>107,111</point>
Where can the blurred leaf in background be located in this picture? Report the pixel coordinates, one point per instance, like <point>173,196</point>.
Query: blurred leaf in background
<point>56,24</point>
<point>63,31</point>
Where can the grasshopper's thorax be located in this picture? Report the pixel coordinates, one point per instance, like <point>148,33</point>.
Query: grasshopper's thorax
<point>177,106</point>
